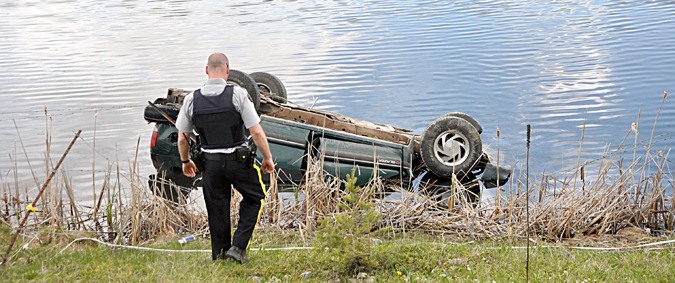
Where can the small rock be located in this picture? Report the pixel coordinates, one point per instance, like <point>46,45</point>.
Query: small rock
<point>256,278</point>
<point>376,241</point>
<point>306,275</point>
<point>362,276</point>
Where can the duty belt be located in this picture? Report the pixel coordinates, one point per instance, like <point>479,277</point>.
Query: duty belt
<point>237,155</point>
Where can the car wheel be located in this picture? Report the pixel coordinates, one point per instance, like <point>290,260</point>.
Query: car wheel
<point>151,114</point>
<point>269,84</point>
<point>450,145</point>
<point>468,118</point>
<point>245,81</point>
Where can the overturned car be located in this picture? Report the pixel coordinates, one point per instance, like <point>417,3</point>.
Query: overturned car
<point>451,145</point>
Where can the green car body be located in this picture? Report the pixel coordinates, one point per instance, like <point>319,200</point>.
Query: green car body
<point>299,136</point>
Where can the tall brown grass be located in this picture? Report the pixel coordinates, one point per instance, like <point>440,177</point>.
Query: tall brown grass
<point>623,192</point>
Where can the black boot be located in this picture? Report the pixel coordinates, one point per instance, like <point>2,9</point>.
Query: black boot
<point>237,254</point>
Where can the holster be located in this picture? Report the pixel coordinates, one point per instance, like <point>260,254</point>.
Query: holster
<point>246,155</point>
<point>196,154</point>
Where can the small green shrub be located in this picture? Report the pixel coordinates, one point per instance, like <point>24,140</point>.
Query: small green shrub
<point>344,241</point>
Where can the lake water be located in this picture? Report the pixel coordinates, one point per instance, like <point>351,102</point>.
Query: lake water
<point>557,65</point>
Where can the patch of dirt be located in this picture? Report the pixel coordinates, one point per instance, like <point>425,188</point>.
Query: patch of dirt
<point>626,237</point>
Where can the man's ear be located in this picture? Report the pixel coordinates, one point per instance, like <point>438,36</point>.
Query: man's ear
<point>207,70</point>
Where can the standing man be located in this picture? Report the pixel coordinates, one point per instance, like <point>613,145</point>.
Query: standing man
<point>220,113</point>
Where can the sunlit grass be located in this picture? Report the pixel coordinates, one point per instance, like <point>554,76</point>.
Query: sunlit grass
<point>414,257</point>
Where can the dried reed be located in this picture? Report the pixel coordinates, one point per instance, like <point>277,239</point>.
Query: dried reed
<point>614,193</point>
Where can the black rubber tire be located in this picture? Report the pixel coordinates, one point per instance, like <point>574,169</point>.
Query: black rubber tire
<point>468,119</point>
<point>245,81</point>
<point>269,84</point>
<point>460,155</point>
<point>151,114</point>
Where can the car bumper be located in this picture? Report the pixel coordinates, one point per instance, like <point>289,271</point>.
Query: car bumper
<point>495,176</point>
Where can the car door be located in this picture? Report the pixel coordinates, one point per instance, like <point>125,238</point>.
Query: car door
<point>288,144</point>
<point>342,152</point>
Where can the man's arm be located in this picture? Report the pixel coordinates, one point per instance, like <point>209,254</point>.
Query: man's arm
<point>184,126</point>
<point>260,140</point>
<point>189,168</point>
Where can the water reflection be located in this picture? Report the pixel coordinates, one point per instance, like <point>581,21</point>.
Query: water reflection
<point>565,67</point>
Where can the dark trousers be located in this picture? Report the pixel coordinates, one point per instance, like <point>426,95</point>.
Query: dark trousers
<point>219,177</point>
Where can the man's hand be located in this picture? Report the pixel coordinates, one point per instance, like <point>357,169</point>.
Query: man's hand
<point>190,169</point>
<point>267,166</point>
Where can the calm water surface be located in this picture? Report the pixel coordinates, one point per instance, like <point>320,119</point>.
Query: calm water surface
<point>557,66</point>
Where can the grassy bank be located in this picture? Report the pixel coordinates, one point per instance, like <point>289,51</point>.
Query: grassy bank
<point>413,257</point>
<point>620,200</point>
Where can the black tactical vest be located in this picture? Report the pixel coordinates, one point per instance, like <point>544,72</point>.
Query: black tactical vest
<point>217,122</point>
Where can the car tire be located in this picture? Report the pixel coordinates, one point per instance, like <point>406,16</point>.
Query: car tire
<point>245,81</point>
<point>152,115</point>
<point>451,145</point>
<point>468,118</point>
<point>270,84</point>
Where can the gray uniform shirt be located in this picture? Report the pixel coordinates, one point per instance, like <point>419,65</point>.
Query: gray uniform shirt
<point>214,87</point>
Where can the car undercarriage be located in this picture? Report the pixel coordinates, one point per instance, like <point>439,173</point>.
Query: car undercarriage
<point>449,149</point>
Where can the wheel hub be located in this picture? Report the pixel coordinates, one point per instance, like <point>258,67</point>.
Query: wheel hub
<point>451,148</point>
<point>263,88</point>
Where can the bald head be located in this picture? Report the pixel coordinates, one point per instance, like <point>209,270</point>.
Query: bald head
<point>218,66</point>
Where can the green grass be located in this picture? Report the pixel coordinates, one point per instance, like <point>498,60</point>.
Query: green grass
<point>414,257</point>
